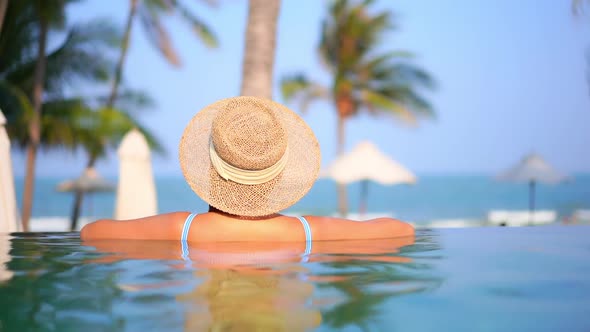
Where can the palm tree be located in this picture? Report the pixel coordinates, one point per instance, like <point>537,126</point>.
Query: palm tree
<point>66,122</point>
<point>101,130</point>
<point>150,12</point>
<point>259,54</point>
<point>363,79</point>
<point>38,16</point>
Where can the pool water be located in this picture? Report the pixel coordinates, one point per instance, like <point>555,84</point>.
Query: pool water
<point>480,279</point>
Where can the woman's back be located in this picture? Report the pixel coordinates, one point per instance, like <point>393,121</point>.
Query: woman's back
<point>219,227</point>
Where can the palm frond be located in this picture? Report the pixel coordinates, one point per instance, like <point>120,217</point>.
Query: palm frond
<point>52,11</point>
<point>149,13</point>
<point>419,105</point>
<point>113,124</point>
<point>201,29</point>
<point>159,5</point>
<point>375,102</point>
<point>158,35</point>
<point>416,76</point>
<point>18,110</point>
<point>19,36</point>
<point>351,33</point>
<point>60,123</point>
<point>104,128</point>
<point>82,56</point>
<point>134,101</point>
<point>298,88</point>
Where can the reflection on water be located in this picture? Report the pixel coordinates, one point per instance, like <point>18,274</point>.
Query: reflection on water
<point>366,280</point>
<point>535,279</point>
<point>54,282</point>
<point>246,300</point>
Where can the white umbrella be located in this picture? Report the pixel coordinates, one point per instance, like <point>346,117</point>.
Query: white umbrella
<point>9,220</point>
<point>136,192</point>
<point>365,162</point>
<point>5,273</point>
<point>532,169</point>
<point>89,182</point>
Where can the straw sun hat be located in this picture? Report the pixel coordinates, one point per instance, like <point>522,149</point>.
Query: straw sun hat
<point>249,156</point>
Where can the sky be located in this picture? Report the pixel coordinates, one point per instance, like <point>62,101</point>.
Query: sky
<point>511,80</point>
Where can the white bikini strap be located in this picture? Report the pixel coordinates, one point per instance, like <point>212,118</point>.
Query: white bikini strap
<point>308,239</point>
<point>184,236</point>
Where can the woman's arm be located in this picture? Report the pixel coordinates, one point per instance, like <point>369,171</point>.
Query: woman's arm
<point>159,227</point>
<point>326,228</point>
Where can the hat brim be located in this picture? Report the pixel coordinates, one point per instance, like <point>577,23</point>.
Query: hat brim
<point>296,179</point>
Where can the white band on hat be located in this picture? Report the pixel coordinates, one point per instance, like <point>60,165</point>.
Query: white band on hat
<point>244,176</point>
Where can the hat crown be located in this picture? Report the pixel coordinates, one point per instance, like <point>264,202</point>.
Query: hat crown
<point>247,134</point>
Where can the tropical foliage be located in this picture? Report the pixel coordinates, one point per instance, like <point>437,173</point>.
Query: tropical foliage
<point>363,77</point>
<point>39,16</point>
<point>66,119</point>
<point>74,60</point>
<point>150,13</point>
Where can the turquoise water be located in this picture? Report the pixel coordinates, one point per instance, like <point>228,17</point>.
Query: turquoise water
<point>434,197</point>
<point>483,279</point>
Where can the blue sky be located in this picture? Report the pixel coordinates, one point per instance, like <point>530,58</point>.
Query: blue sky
<point>511,78</point>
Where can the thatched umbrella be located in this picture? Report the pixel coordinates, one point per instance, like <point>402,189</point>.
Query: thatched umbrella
<point>89,182</point>
<point>532,169</point>
<point>366,163</point>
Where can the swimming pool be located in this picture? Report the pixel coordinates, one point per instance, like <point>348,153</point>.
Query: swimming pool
<point>481,279</point>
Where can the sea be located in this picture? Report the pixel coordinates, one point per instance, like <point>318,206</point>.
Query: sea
<point>463,199</point>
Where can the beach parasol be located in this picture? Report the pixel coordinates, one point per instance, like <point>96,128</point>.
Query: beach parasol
<point>532,169</point>
<point>89,182</point>
<point>8,211</point>
<point>136,192</point>
<point>366,163</point>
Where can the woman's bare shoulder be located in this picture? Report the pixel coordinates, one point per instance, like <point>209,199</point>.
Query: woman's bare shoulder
<point>162,227</point>
<point>330,228</point>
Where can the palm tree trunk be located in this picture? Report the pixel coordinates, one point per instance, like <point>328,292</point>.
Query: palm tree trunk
<point>35,125</point>
<point>342,197</point>
<point>29,186</point>
<point>259,52</point>
<point>76,208</point>
<point>123,55</point>
<point>79,196</point>
<point>341,136</point>
<point>3,6</point>
<point>79,199</point>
